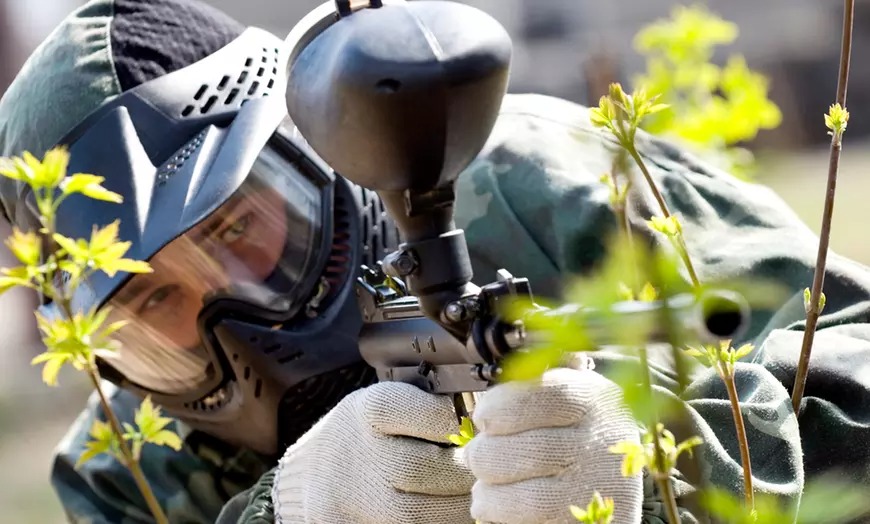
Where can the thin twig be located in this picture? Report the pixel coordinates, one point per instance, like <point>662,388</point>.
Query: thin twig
<point>131,462</point>
<point>741,439</point>
<point>827,216</point>
<point>668,497</point>
<point>649,180</point>
<point>662,478</point>
<point>684,255</point>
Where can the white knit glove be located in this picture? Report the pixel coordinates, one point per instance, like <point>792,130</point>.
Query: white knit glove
<point>543,446</point>
<point>373,459</point>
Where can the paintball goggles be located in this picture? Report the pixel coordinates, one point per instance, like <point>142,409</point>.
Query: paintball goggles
<point>399,97</point>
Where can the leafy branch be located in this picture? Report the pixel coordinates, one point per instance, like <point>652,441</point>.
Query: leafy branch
<point>836,121</point>
<point>723,359</point>
<point>55,266</point>
<point>599,511</point>
<point>709,106</point>
<point>622,114</point>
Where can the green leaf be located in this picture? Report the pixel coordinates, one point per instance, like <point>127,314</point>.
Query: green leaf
<point>92,449</point>
<point>743,350</point>
<point>55,163</point>
<point>634,457</point>
<point>70,246</point>
<point>25,169</point>
<point>103,441</point>
<point>670,226</point>
<point>125,265</point>
<point>113,327</point>
<point>53,364</point>
<point>27,247</point>
<point>625,292</point>
<point>530,364</point>
<point>146,416</point>
<point>578,513</point>
<point>466,428</point>
<point>39,175</point>
<point>152,424</point>
<point>687,445</point>
<point>836,120</point>
<point>456,440</point>
<point>8,282</point>
<point>129,431</point>
<point>166,438</point>
<point>598,511</point>
<point>466,433</point>
<point>77,182</point>
<point>100,193</point>
<point>648,293</point>
<point>10,170</point>
<point>104,238</point>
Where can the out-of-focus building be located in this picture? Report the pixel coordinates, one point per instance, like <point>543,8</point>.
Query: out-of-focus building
<point>563,46</point>
<point>560,46</point>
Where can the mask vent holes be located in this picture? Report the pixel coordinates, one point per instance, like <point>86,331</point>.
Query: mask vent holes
<point>213,401</point>
<point>388,85</point>
<point>258,387</point>
<point>296,355</point>
<point>258,76</point>
<point>178,160</point>
<point>338,265</point>
<point>208,105</point>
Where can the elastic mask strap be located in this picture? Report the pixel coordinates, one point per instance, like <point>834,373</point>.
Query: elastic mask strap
<point>320,18</point>
<point>347,7</point>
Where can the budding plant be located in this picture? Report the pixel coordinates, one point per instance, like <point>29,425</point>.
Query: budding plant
<point>599,511</point>
<point>723,359</point>
<point>836,121</point>
<point>711,108</point>
<point>55,266</point>
<point>622,114</point>
<point>682,95</point>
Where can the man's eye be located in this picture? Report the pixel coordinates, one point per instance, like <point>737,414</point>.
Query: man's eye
<point>158,297</point>
<point>236,230</point>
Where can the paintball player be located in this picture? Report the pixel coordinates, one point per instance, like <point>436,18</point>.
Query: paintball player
<point>245,333</point>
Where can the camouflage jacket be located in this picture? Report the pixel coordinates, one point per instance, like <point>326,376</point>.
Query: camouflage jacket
<point>533,203</point>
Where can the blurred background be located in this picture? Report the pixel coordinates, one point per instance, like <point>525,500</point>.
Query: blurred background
<point>566,48</point>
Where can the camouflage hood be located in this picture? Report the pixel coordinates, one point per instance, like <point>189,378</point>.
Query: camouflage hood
<point>99,51</point>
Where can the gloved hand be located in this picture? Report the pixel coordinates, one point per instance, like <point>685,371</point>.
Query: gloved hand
<point>374,459</point>
<point>543,446</point>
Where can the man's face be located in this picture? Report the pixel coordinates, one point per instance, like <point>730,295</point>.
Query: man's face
<point>242,242</point>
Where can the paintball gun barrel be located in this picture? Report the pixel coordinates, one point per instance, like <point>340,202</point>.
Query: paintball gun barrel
<point>399,97</point>
<point>405,345</point>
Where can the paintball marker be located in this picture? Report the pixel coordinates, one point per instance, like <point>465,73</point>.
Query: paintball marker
<point>399,97</point>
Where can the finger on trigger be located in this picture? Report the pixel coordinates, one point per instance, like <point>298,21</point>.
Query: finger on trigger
<point>395,408</point>
<point>426,468</point>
